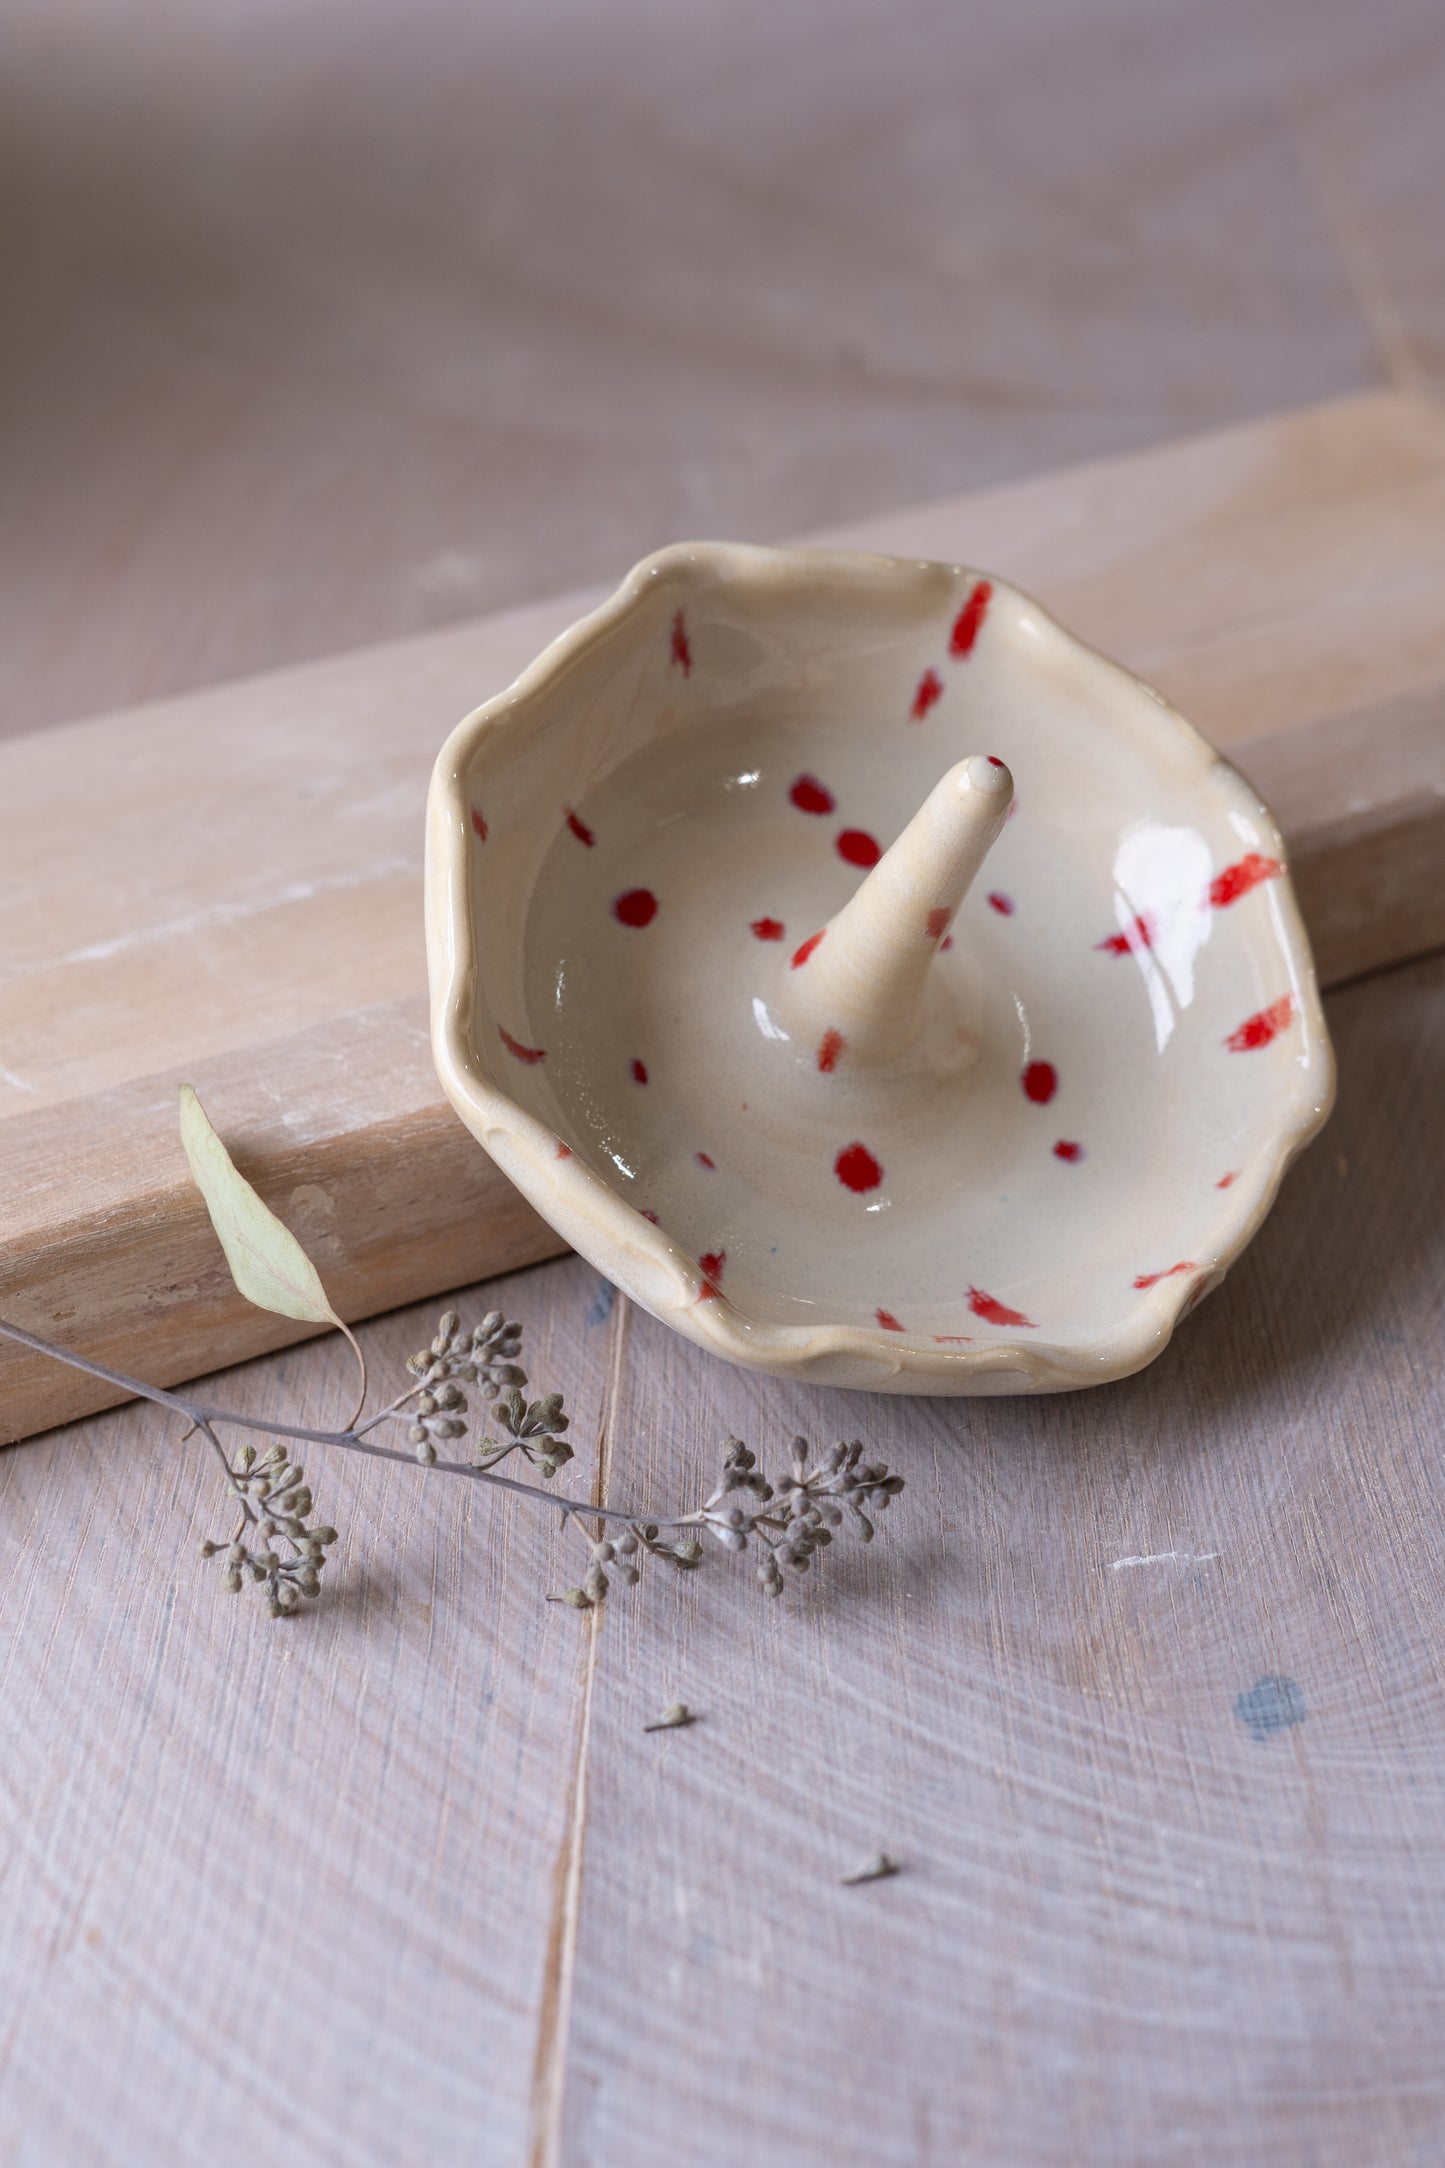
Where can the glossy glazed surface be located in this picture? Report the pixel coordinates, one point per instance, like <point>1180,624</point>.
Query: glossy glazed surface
<point>631,856</point>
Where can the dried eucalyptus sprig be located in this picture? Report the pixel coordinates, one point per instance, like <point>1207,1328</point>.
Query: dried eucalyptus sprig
<point>278,1548</point>
<point>790,1522</point>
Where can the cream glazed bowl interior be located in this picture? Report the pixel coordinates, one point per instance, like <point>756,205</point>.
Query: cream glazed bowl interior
<point>756,977</point>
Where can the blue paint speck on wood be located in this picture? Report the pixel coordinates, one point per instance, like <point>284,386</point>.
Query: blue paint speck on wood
<point>602,1303</point>
<point>1269,1705</point>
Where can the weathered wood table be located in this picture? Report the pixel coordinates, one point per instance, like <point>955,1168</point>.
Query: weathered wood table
<point>1143,1687</point>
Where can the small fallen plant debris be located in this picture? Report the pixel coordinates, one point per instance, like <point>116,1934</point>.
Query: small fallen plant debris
<point>872,1870</point>
<point>276,1546</point>
<point>673,1718</point>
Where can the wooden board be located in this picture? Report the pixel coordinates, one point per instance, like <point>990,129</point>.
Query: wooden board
<point>226,886</point>
<point>407,1882</point>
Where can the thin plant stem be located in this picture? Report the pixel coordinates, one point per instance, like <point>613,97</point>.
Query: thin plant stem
<point>350,1441</point>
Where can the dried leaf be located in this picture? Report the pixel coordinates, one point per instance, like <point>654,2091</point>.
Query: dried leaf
<point>267,1263</point>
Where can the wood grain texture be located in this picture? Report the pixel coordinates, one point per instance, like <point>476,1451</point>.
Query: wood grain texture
<point>421,1841</point>
<point>235,896</point>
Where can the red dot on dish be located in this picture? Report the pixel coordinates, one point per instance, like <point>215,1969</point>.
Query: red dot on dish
<point>998,901</point>
<point>1226,1179</point>
<point>858,847</point>
<point>948,944</point>
<point>638,907</point>
<point>516,1048</point>
<point>954,1339</point>
<point>857,1169</point>
<point>805,948</point>
<point>1140,935</point>
<point>768,929</point>
<point>649,1215</point>
<point>996,1313</point>
<point>994,761</point>
<point>1237,880</point>
<point>479,825</point>
<point>639,1072</point>
<point>703,1160</point>
<point>832,1046</point>
<point>969,622</point>
<point>681,651</point>
<point>888,1321</point>
<point>1152,1279</point>
<point>579,828</point>
<point>929,693</point>
<point>712,1264</point>
<point>1260,1029</point>
<point>809,795</point>
<point>1067,1149</point>
<point>938,922</point>
<point>564,1151</point>
<point>1040,1081</point>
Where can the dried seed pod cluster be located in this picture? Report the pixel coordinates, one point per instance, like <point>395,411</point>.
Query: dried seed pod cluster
<point>789,1522</point>
<point>276,1503</point>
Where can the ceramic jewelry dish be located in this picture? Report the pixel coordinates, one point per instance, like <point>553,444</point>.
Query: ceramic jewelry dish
<point>873,981</point>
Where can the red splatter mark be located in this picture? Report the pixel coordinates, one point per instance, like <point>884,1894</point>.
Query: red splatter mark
<point>858,847</point>
<point>1152,1279</point>
<point>928,695</point>
<point>650,1215</point>
<point>479,825</point>
<point>809,796</point>
<point>639,1072</point>
<point>1068,1150</point>
<point>768,929</point>
<point>1237,880</point>
<point>996,1313</point>
<point>703,1160</point>
<point>564,1151</point>
<point>832,1046</point>
<point>1040,1081</point>
<point>1139,935</point>
<point>1260,1029</point>
<point>888,1321</point>
<point>998,901</point>
<point>938,922</point>
<point>681,650</point>
<point>712,1264</point>
<point>806,948</point>
<point>1226,1179</point>
<point>969,622</point>
<point>579,829</point>
<point>954,1339</point>
<point>515,1046</point>
<point>948,944</point>
<point>857,1169</point>
<point>637,908</point>
<point>994,761</point>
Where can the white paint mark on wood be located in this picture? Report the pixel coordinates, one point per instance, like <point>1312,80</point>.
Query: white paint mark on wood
<point>220,914</point>
<point>1165,1558</point>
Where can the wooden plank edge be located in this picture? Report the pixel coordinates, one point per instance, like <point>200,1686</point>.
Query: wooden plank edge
<point>1360,798</point>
